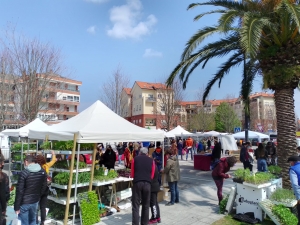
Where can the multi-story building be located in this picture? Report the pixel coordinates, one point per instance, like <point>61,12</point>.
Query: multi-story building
<point>262,110</point>
<point>56,98</point>
<point>152,105</point>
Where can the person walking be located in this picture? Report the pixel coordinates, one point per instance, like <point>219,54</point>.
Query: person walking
<point>155,211</point>
<point>142,172</point>
<point>158,158</point>
<point>219,173</point>
<point>189,145</point>
<point>180,147</point>
<point>208,143</point>
<point>40,159</point>
<point>32,183</point>
<point>109,158</point>
<point>272,153</point>
<point>200,147</point>
<point>128,155</point>
<point>174,147</point>
<point>172,172</point>
<point>120,150</point>
<point>245,157</point>
<point>261,157</point>
<point>216,152</point>
<point>294,173</point>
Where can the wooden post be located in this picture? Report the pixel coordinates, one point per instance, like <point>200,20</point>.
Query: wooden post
<point>93,167</point>
<point>70,181</point>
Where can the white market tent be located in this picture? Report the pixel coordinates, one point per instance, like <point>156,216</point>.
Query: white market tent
<point>211,134</point>
<point>166,134</point>
<point>23,131</point>
<point>228,142</point>
<point>97,124</point>
<point>178,131</point>
<point>251,134</point>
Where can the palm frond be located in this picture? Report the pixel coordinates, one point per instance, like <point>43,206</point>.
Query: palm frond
<point>235,60</point>
<point>227,19</point>
<point>293,10</point>
<point>228,4</point>
<point>251,32</point>
<point>196,39</point>
<point>198,17</point>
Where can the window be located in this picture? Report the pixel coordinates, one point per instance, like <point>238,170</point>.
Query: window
<point>76,98</point>
<point>140,121</point>
<point>140,108</point>
<point>64,98</point>
<point>70,98</point>
<point>159,96</point>
<point>67,109</point>
<point>133,121</point>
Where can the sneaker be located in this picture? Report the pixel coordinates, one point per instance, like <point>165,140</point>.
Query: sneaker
<point>152,221</point>
<point>169,204</point>
<point>176,202</point>
<point>158,220</point>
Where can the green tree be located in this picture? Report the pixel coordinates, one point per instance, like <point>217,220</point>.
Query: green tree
<point>263,36</point>
<point>203,120</point>
<point>226,119</point>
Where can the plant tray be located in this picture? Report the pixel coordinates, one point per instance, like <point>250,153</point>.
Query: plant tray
<point>61,200</point>
<point>66,186</point>
<point>66,170</point>
<point>289,204</point>
<point>257,185</point>
<point>67,152</point>
<point>266,205</point>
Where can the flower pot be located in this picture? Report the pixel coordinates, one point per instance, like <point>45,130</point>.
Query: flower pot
<point>238,180</point>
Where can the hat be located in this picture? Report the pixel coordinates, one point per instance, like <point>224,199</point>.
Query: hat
<point>293,158</point>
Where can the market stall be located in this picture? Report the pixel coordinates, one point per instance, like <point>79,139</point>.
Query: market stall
<point>95,124</point>
<point>178,131</point>
<point>202,162</point>
<point>251,134</point>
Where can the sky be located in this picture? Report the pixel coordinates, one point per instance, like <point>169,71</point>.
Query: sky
<point>144,38</point>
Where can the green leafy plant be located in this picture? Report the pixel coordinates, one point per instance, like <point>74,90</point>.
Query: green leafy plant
<point>274,169</point>
<point>223,203</point>
<point>63,178</point>
<point>89,208</point>
<point>282,195</point>
<point>46,145</point>
<point>11,200</point>
<point>112,174</point>
<point>64,165</point>
<point>16,147</point>
<point>285,216</point>
<point>241,174</point>
<point>259,178</point>
<point>16,156</point>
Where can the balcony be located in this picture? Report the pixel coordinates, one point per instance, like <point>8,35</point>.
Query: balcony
<point>61,101</point>
<point>150,99</point>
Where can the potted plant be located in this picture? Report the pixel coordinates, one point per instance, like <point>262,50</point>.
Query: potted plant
<point>240,175</point>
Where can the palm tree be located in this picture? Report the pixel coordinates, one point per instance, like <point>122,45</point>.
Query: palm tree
<point>263,35</point>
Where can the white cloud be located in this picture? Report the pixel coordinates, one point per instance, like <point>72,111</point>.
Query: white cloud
<point>96,1</point>
<point>91,30</point>
<point>152,53</point>
<point>127,22</point>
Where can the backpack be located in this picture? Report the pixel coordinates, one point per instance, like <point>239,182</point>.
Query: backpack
<point>215,163</point>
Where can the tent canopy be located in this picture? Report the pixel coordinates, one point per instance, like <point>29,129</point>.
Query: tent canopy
<point>211,134</point>
<point>97,124</point>
<point>178,131</point>
<point>23,131</point>
<point>251,134</point>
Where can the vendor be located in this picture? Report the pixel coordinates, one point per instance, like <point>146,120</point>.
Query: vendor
<point>128,155</point>
<point>109,158</point>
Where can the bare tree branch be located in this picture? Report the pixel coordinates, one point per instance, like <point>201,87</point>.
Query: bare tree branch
<point>111,91</point>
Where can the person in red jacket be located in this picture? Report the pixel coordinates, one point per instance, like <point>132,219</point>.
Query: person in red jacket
<point>219,173</point>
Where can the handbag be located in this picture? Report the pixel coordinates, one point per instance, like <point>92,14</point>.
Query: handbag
<point>16,221</point>
<point>184,151</point>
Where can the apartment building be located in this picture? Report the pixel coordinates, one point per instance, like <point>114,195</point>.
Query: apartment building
<point>151,105</point>
<point>262,110</point>
<point>57,98</point>
<point>60,101</point>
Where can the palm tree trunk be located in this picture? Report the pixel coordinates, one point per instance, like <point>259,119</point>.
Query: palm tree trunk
<point>286,133</point>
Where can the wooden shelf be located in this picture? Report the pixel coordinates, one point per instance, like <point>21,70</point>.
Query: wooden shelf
<point>65,187</point>
<point>66,152</point>
<point>68,171</point>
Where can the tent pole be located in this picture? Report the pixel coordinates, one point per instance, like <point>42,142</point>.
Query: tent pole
<point>70,181</point>
<point>76,181</point>
<point>93,167</point>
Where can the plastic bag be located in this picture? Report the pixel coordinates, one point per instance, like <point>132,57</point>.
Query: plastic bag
<point>16,221</point>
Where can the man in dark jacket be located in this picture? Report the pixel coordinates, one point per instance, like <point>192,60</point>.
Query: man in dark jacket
<point>294,173</point>
<point>32,183</point>
<point>142,172</point>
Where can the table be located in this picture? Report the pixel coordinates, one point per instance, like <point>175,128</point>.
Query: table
<point>202,162</point>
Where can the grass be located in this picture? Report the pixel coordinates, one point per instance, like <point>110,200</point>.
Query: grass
<point>228,220</point>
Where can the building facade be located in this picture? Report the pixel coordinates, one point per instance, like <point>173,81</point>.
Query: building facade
<point>54,98</point>
<point>152,105</point>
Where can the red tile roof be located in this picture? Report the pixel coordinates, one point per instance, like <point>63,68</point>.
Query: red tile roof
<point>127,90</point>
<point>150,86</point>
<point>185,103</point>
<point>261,94</point>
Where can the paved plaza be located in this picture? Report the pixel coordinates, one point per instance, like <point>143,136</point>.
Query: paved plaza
<point>198,201</point>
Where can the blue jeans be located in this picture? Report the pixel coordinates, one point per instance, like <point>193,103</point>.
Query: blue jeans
<point>189,151</point>
<point>174,192</point>
<point>120,159</point>
<point>27,213</point>
<point>262,165</point>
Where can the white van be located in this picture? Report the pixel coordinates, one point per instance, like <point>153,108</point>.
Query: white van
<point>4,145</point>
